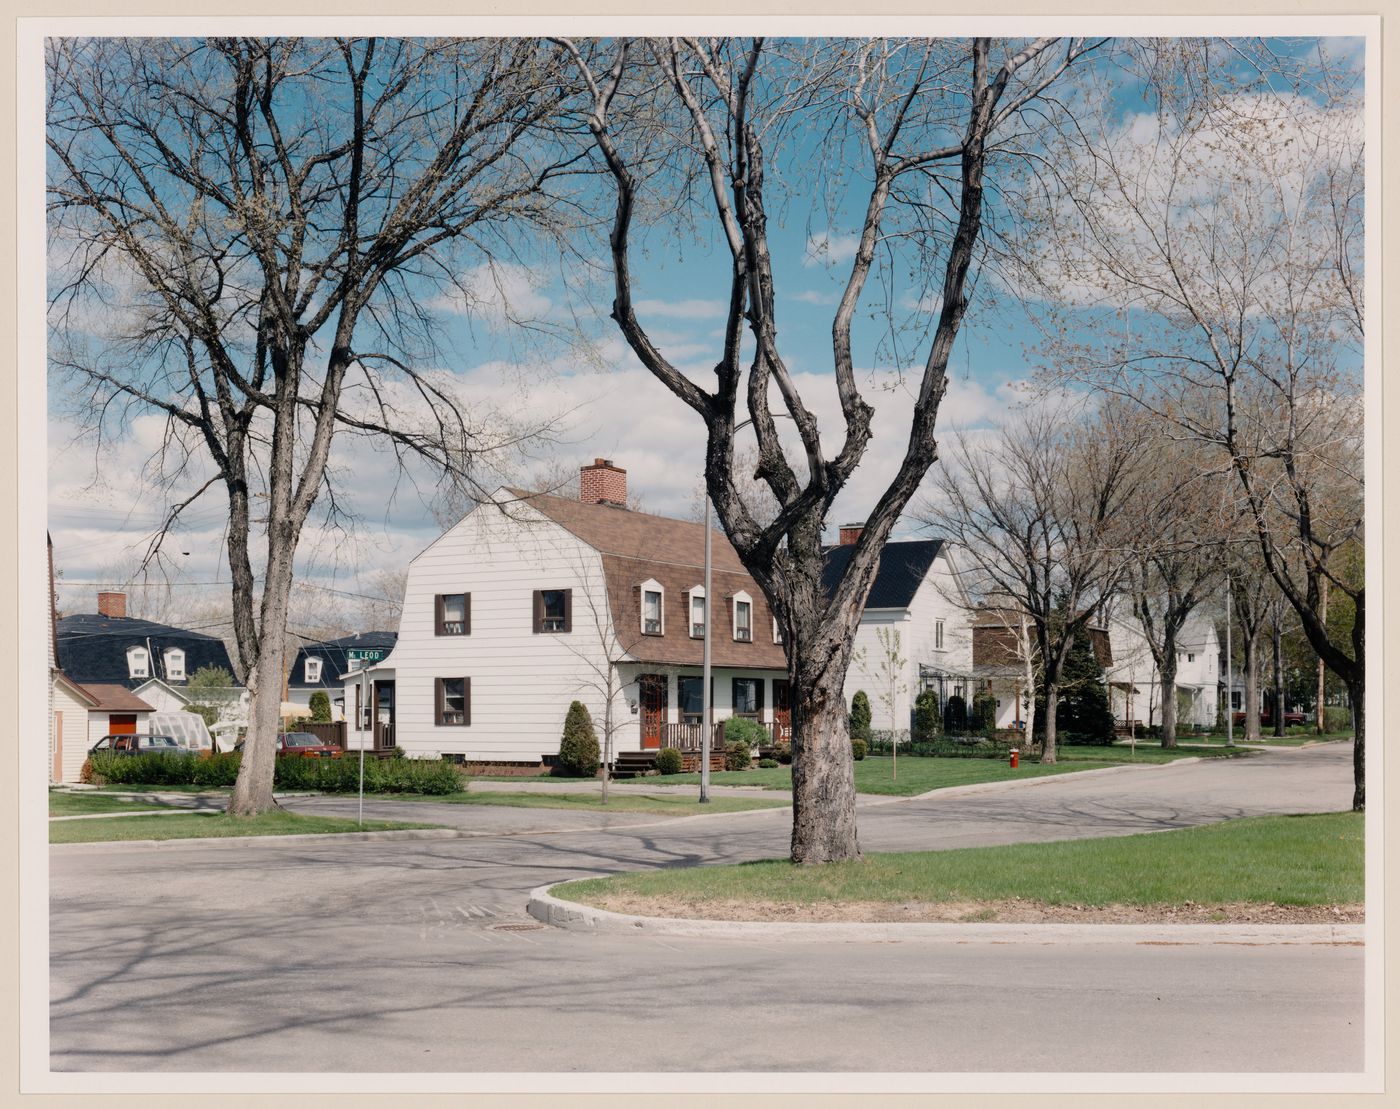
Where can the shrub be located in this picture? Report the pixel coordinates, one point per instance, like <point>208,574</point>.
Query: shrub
<point>579,756</point>
<point>216,770</point>
<point>85,774</point>
<point>151,770</point>
<point>321,707</point>
<point>955,715</point>
<point>736,755</point>
<point>858,749</point>
<point>428,776</point>
<point>740,729</point>
<point>767,764</point>
<point>860,716</point>
<point>668,761</point>
<point>1336,718</point>
<point>783,751</point>
<point>984,711</point>
<point>926,716</point>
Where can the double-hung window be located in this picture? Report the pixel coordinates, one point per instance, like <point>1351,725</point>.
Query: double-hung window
<point>554,611</point>
<point>312,670</point>
<point>743,617</point>
<point>697,612</point>
<point>453,702</point>
<point>453,614</point>
<point>748,697</point>
<point>175,664</point>
<point>653,608</point>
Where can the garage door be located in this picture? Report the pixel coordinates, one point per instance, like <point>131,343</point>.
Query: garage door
<point>121,723</point>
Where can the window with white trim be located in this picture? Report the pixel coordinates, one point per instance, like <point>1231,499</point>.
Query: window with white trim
<point>175,664</point>
<point>777,631</point>
<point>653,608</point>
<point>138,662</point>
<point>696,604</point>
<point>743,618</point>
<point>311,670</point>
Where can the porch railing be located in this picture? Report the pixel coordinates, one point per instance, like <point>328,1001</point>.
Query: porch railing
<point>686,737</point>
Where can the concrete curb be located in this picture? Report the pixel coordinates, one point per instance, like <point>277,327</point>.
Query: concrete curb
<point>265,841</point>
<point>575,917</point>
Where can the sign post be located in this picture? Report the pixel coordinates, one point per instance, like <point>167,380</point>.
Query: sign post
<point>357,657</point>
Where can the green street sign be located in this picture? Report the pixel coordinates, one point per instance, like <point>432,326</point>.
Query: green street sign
<point>365,654</point>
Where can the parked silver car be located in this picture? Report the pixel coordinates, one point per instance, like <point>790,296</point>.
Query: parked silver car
<point>139,745</point>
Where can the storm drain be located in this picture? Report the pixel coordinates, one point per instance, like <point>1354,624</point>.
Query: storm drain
<point>517,927</point>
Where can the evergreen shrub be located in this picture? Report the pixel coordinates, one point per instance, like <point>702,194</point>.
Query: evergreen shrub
<point>579,756</point>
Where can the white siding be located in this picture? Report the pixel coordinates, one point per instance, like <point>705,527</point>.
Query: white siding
<point>99,724</point>
<point>521,682</point>
<point>70,727</point>
<point>1133,663</point>
<point>937,598</point>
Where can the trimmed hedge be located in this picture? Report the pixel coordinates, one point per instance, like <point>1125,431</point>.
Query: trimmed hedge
<point>767,764</point>
<point>858,749</point>
<point>429,776</point>
<point>668,761</point>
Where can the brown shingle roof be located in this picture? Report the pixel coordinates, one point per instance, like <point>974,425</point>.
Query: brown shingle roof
<point>637,546</point>
<point>116,698</point>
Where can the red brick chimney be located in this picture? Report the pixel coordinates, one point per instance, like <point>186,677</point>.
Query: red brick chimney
<point>850,533</point>
<point>602,483</point>
<point>111,604</point>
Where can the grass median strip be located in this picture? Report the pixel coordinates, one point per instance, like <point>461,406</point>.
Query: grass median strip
<point>92,804</point>
<point>214,826</point>
<point>666,804</point>
<point>909,776</point>
<point>1280,868</point>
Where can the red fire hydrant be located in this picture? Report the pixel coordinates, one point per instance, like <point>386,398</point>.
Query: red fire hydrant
<point>1015,758</point>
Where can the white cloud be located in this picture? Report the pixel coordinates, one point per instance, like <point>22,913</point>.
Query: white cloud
<point>683,309</point>
<point>498,293</point>
<point>826,249</point>
<point>816,296</point>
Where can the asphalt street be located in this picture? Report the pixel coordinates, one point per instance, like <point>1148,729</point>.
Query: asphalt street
<point>391,955</point>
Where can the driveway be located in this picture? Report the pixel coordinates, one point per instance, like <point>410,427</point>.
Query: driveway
<point>418,956</point>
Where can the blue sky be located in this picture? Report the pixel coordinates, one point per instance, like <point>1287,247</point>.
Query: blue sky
<point>606,403</point>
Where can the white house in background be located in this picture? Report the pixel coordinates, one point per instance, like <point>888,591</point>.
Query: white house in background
<point>914,633</point>
<point>69,704</point>
<point>1135,687</point>
<point>509,616</point>
<point>1002,637</point>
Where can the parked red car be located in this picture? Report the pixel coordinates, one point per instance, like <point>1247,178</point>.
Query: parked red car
<point>301,743</point>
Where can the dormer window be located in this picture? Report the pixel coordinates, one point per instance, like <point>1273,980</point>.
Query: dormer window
<point>175,665</point>
<point>138,662</point>
<point>743,618</point>
<point>697,612</point>
<point>653,608</point>
<point>311,670</point>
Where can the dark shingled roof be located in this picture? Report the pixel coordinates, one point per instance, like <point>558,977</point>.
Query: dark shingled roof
<point>903,567</point>
<point>92,648</point>
<point>334,659</point>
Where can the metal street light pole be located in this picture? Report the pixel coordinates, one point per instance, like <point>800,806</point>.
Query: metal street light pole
<point>706,715</point>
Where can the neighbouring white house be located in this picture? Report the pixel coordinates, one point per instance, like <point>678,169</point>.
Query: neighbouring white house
<point>1002,639</point>
<point>914,633</point>
<point>320,666</point>
<point>512,614</point>
<point>69,704</point>
<point>1135,686</point>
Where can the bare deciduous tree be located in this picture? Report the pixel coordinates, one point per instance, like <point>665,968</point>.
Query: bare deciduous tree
<point>927,119</point>
<point>264,220</point>
<point>1225,229</point>
<point>1040,516</point>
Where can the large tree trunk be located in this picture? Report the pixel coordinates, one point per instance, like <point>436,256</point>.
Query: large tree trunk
<point>1356,691</point>
<point>1167,672</point>
<point>1319,708</point>
<point>252,790</point>
<point>823,771</point>
<point>1052,697</point>
<point>1279,728</point>
<point>1251,686</point>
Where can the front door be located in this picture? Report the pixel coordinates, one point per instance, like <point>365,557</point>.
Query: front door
<point>383,708</point>
<point>782,709</point>
<point>121,723</point>
<point>652,690</point>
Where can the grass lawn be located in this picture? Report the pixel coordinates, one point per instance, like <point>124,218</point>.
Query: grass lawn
<point>82,804</point>
<point>669,804</point>
<point>919,775</point>
<point>1264,740</point>
<point>1289,860</point>
<point>137,788</point>
<point>1150,752</point>
<point>212,826</point>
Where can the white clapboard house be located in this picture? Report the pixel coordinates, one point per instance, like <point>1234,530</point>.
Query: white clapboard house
<point>511,615</point>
